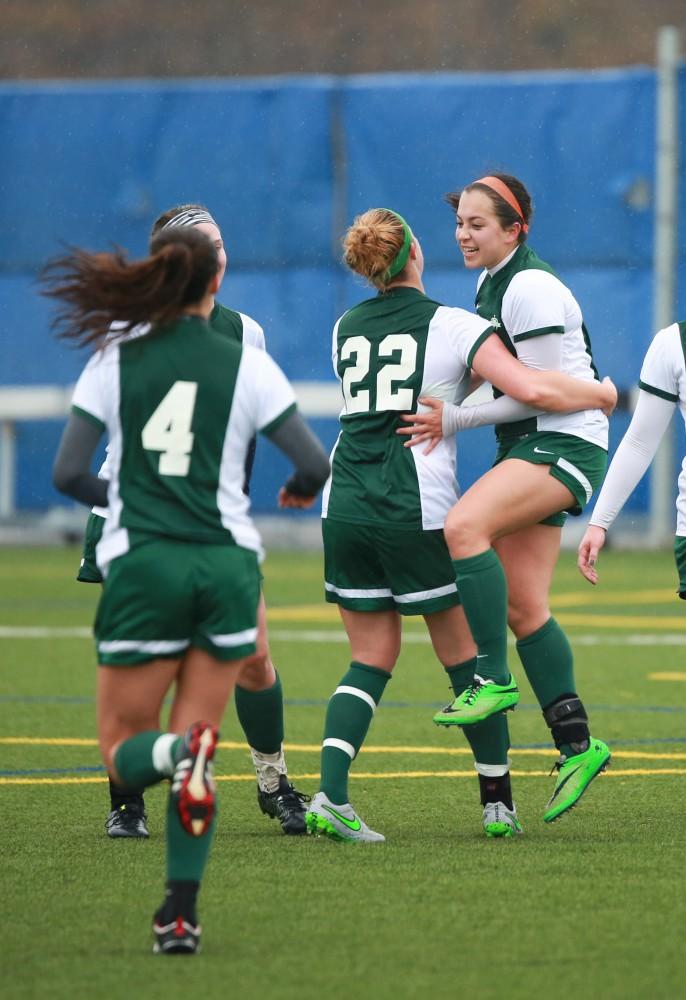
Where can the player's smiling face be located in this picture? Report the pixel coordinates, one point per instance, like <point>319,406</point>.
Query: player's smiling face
<point>213,232</point>
<point>479,233</point>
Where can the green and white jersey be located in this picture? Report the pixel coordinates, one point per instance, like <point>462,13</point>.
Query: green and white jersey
<point>180,407</point>
<point>387,352</point>
<point>540,322</point>
<point>235,325</point>
<point>663,374</point>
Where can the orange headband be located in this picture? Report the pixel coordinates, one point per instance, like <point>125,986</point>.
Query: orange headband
<point>501,188</point>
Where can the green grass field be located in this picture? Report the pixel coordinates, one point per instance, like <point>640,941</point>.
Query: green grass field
<point>591,907</point>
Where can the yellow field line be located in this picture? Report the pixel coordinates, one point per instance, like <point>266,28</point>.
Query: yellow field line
<point>328,613</point>
<point>316,747</point>
<point>591,621</point>
<point>668,676</point>
<point>361,775</point>
<point>594,597</point>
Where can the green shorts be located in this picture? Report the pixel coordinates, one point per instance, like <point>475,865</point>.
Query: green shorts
<point>164,596</point>
<point>680,560</point>
<point>88,570</point>
<point>371,568</point>
<point>578,464</point>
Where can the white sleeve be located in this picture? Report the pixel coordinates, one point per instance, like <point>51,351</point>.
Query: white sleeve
<point>533,306</point>
<point>633,456</point>
<point>541,353</point>
<point>498,411</point>
<point>253,333</point>
<point>270,394</point>
<point>96,393</point>
<point>663,365</point>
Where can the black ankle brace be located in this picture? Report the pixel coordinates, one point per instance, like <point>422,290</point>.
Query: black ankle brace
<point>568,722</point>
<point>496,789</point>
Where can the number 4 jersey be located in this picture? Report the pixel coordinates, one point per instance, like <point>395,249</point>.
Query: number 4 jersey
<point>180,407</point>
<point>387,352</point>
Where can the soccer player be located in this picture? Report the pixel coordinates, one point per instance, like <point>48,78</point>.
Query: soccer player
<point>179,553</point>
<point>662,386</point>
<point>259,695</point>
<point>384,505</point>
<point>504,534</point>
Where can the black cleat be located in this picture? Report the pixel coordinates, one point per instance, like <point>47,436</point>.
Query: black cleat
<point>128,820</point>
<point>178,937</point>
<point>286,804</point>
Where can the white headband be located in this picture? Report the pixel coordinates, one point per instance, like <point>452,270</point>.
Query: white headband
<point>191,217</point>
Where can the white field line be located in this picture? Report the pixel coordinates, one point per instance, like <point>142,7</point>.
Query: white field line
<point>335,635</point>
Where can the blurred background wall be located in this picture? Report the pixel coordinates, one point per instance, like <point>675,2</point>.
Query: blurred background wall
<point>286,160</point>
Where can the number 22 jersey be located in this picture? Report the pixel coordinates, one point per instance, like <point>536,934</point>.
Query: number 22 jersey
<point>387,352</point>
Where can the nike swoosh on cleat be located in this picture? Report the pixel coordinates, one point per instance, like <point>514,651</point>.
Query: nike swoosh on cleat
<point>562,784</point>
<point>352,824</point>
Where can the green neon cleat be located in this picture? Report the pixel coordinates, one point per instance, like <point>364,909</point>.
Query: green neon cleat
<point>483,699</point>
<point>499,821</point>
<point>323,818</point>
<point>574,776</point>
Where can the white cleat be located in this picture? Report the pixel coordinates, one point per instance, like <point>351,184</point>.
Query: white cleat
<point>499,821</point>
<point>339,822</point>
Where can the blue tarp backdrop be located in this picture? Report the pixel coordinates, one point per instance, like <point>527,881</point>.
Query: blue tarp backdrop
<point>284,164</point>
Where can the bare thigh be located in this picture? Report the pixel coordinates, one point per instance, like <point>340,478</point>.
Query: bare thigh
<point>129,701</point>
<point>203,688</point>
<point>374,636</point>
<point>258,671</point>
<point>450,636</point>
<point>529,558</point>
<point>510,497</point>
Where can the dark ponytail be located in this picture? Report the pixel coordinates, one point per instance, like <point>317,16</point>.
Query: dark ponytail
<point>99,289</point>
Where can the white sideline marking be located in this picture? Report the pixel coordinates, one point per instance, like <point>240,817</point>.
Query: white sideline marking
<point>332,635</point>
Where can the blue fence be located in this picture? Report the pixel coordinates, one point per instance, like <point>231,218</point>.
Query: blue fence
<point>285,164</point>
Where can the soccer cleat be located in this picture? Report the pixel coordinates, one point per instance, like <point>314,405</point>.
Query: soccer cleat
<point>574,776</point>
<point>338,822</point>
<point>179,937</point>
<point>286,804</point>
<point>478,702</point>
<point>128,820</point>
<point>500,821</point>
<point>193,780</point>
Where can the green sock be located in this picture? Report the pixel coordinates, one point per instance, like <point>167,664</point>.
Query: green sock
<point>186,855</point>
<point>483,591</point>
<point>146,758</point>
<point>548,661</point>
<point>260,714</point>
<point>348,716</point>
<point>490,739</point>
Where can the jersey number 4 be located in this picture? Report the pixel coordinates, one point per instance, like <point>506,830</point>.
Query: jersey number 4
<point>169,429</point>
<point>387,397</point>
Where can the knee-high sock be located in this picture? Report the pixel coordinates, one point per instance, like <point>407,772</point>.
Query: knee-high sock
<point>146,758</point>
<point>186,855</point>
<point>548,661</point>
<point>490,739</point>
<point>348,716</point>
<point>260,714</point>
<point>483,591</point>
